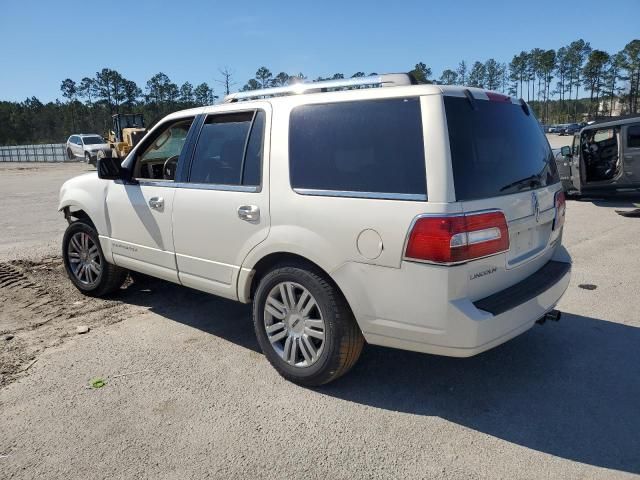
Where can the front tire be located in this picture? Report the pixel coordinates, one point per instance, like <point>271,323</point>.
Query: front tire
<point>305,327</point>
<point>85,263</point>
<point>87,159</point>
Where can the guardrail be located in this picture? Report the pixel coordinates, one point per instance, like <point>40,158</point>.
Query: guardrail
<point>50,152</point>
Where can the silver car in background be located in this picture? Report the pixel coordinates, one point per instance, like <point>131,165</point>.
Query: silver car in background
<point>86,146</point>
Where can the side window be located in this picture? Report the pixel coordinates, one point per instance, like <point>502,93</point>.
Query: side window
<point>158,159</point>
<point>633,136</point>
<point>253,159</point>
<point>229,150</point>
<point>370,146</point>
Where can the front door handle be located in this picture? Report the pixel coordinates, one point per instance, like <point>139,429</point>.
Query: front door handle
<point>157,203</point>
<point>250,213</point>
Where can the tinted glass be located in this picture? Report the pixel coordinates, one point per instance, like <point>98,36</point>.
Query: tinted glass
<point>219,154</point>
<point>253,158</point>
<point>92,140</point>
<point>633,136</point>
<point>496,149</point>
<point>366,146</point>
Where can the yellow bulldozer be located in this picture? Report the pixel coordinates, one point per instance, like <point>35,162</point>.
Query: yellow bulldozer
<point>127,129</point>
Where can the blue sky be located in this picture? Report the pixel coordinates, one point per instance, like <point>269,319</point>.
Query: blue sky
<point>45,42</point>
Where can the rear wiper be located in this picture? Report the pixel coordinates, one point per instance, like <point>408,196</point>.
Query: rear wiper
<point>531,181</point>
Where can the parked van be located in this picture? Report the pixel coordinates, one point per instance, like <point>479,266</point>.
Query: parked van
<point>421,217</point>
<point>604,158</point>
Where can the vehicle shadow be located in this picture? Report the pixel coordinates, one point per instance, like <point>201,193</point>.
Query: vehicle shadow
<point>627,201</point>
<point>569,389</point>
<point>215,315</point>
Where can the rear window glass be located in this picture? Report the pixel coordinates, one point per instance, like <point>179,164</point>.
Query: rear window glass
<point>372,146</point>
<point>496,149</point>
<point>633,136</point>
<point>219,153</point>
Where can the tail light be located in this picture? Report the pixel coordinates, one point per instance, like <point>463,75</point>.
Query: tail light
<point>452,239</point>
<point>561,208</point>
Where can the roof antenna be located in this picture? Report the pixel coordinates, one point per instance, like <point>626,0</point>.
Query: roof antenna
<point>524,106</point>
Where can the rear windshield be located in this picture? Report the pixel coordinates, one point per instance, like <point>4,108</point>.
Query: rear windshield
<point>496,149</point>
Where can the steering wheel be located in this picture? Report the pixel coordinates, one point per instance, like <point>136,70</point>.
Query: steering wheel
<point>169,168</point>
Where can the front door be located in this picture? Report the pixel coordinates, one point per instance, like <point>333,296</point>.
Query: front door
<point>139,212</point>
<point>222,211</point>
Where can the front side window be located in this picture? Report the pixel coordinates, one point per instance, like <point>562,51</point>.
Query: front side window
<point>363,147</point>
<point>229,149</point>
<point>633,136</point>
<point>158,160</point>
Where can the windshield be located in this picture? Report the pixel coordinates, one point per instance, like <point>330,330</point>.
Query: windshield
<point>92,140</point>
<point>131,121</point>
<point>496,149</point>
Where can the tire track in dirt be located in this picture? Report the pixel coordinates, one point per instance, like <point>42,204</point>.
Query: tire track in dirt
<point>39,308</point>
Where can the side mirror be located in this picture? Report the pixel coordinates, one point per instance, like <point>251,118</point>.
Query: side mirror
<point>565,151</point>
<point>109,168</point>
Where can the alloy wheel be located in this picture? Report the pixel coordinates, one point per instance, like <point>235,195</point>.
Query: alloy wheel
<point>84,259</point>
<point>294,324</point>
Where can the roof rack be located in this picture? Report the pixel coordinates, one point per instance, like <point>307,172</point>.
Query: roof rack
<point>386,80</point>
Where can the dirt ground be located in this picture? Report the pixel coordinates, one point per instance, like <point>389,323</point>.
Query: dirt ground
<point>189,395</point>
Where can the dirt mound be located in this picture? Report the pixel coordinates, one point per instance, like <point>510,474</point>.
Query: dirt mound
<point>39,310</point>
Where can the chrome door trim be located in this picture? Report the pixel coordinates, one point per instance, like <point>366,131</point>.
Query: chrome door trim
<point>352,194</point>
<point>200,186</point>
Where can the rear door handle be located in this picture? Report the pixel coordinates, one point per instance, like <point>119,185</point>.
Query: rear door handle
<point>249,213</point>
<point>157,203</point>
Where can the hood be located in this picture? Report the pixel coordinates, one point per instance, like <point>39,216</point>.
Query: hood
<point>97,146</point>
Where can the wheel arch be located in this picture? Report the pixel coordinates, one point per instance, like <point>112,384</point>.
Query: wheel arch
<point>246,289</point>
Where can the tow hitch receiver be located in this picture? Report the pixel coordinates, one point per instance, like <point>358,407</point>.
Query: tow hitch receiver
<point>553,315</point>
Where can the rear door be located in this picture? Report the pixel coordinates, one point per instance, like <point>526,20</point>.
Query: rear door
<point>631,152</point>
<point>76,146</point>
<point>501,160</point>
<point>222,211</point>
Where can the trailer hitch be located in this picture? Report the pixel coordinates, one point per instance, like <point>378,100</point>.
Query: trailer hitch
<point>553,315</point>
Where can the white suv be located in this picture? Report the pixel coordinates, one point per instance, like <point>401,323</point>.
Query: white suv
<point>86,146</point>
<point>420,217</point>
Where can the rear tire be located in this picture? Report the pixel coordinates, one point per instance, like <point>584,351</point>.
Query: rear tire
<point>85,263</point>
<point>307,331</point>
<point>70,154</point>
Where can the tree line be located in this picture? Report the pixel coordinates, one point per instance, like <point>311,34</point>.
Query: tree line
<point>550,80</point>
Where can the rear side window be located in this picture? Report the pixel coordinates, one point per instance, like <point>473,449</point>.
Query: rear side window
<point>496,149</point>
<point>633,136</point>
<point>229,150</point>
<point>364,147</point>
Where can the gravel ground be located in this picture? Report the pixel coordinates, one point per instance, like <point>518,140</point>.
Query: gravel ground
<point>188,395</point>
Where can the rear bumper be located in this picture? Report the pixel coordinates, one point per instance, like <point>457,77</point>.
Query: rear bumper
<point>423,320</point>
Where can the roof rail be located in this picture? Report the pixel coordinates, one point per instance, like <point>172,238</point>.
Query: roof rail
<point>386,80</point>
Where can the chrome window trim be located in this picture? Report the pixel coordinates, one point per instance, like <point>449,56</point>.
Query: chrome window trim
<point>202,186</point>
<point>354,194</point>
